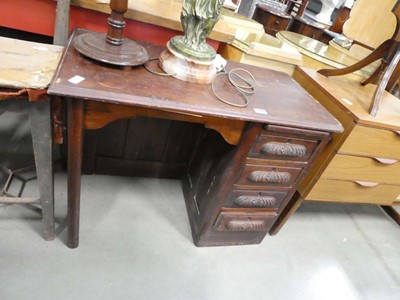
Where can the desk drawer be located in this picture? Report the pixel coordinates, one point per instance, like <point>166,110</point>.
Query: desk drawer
<point>269,176</point>
<point>353,168</point>
<point>348,191</point>
<point>256,199</point>
<point>244,222</point>
<point>373,142</point>
<point>283,148</point>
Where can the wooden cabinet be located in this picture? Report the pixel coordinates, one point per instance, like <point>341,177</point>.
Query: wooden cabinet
<point>251,186</point>
<point>272,19</point>
<point>362,164</point>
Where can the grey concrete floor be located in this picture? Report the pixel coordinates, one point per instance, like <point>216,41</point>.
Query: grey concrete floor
<point>136,244</point>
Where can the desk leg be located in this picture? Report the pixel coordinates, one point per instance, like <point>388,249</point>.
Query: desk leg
<point>40,119</point>
<point>391,212</point>
<point>75,139</point>
<point>288,211</point>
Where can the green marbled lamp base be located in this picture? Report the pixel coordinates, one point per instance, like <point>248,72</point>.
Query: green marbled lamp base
<point>206,54</point>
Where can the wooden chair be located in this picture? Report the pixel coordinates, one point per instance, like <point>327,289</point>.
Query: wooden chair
<point>387,75</point>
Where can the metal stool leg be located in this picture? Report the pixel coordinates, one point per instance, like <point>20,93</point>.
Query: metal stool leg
<point>41,129</point>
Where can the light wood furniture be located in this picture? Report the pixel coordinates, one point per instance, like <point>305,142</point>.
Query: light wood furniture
<point>26,69</point>
<point>371,22</point>
<point>155,21</point>
<point>244,164</point>
<point>387,75</point>
<point>360,165</point>
<point>266,51</point>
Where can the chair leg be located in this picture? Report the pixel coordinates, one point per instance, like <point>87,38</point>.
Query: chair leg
<point>41,129</point>
<point>374,106</point>
<point>378,53</point>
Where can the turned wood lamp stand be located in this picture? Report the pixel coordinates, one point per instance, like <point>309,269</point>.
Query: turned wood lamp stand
<point>112,48</point>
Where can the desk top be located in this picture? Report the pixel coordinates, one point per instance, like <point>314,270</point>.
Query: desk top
<point>284,100</point>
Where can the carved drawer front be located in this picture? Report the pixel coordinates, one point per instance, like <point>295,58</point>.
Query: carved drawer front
<point>354,191</point>
<point>244,222</point>
<point>373,142</point>
<point>370,169</point>
<point>283,148</point>
<point>257,175</point>
<point>256,199</point>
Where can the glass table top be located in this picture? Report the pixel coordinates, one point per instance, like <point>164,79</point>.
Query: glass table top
<point>327,54</point>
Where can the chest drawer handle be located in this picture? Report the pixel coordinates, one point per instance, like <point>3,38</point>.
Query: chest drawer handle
<point>244,225</point>
<point>367,183</point>
<point>269,177</point>
<point>386,161</point>
<point>283,149</point>
<point>256,201</point>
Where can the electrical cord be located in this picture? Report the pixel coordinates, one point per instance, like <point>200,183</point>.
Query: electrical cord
<point>248,88</point>
<point>145,65</point>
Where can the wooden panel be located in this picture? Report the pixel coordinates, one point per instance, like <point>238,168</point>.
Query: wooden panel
<point>280,147</point>
<point>373,142</point>
<point>112,139</point>
<point>347,191</point>
<point>131,147</point>
<point>244,221</point>
<point>268,176</point>
<point>210,157</point>
<point>147,139</point>
<point>256,199</point>
<point>346,167</point>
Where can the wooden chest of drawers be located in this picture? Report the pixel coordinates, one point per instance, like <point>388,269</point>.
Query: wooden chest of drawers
<point>362,164</point>
<point>273,20</point>
<point>259,180</point>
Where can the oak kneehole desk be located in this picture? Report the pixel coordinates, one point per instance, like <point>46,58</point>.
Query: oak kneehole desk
<point>246,164</point>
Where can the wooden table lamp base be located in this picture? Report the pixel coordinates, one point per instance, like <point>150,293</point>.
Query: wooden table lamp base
<point>112,48</point>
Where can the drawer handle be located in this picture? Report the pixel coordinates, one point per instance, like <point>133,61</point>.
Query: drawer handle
<point>386,161</point>
<point>397,132</point>
<point>269,177</point>
<point>367,183</point>
<point>284,149</point>
<point>256,201</point>
<point>277,22</point>
<point>244,225</point>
